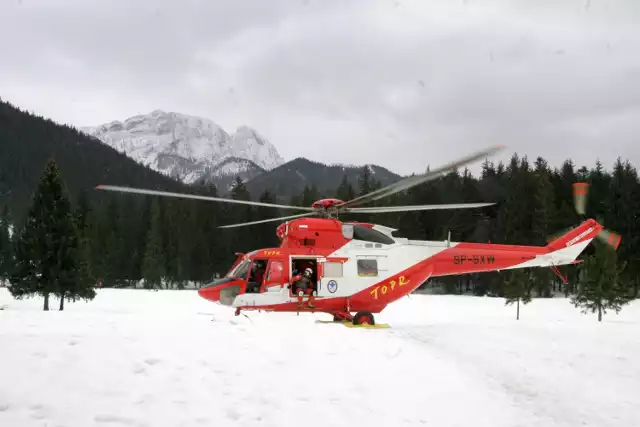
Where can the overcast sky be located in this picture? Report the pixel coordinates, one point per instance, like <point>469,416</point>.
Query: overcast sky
<point>397,83</point>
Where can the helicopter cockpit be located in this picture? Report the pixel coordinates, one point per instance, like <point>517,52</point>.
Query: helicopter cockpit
<point>251,271</point>
<point>225,289</point>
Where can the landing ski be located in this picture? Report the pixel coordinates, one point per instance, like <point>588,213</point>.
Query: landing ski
<point>351,325</point>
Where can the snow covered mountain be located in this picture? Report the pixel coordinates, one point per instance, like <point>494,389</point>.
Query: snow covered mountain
<point>189,148</point>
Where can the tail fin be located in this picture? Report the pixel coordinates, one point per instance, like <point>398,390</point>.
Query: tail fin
<point>566,249</point>
<point>577,238</point>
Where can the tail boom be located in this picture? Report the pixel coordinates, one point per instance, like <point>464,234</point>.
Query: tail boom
<point>464,258</point>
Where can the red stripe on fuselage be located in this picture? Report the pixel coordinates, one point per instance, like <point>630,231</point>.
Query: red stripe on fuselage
<point>462,258</point>
<point>467,258</point>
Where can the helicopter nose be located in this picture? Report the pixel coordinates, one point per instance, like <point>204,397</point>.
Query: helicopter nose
<point>210,294</point>
<point>222,291</point>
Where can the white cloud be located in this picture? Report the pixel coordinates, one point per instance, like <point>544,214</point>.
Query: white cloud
<point>397,83</point>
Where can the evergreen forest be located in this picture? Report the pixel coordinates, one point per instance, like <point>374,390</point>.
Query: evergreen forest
<point>131,237</point>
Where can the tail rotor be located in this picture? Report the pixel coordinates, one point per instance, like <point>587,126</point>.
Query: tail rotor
<point>580,196</point>
<point>609,238</point>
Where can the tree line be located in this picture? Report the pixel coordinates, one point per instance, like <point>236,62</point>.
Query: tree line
<point>122,239</point>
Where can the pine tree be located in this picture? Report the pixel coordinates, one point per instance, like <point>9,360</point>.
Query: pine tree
<point>174,250</point>
<point>153,266</point>
<point>345,191</point>
<point>82,213</point>
<point>185,230</point>
<point>266,233</point>
<point>112,245</point>
<point>601,288</point>
<point>543,218</point>
<point>239,190</point>
<point>80,284</point>
<point>81,287</point>
<point>309,195</point>
<point>244,238</point>
<point>48,254</point>
<point>516,213</point>
<point>517,288</point>
<point>622,203</point>
<point>365,184</point>
<point>212,254</point>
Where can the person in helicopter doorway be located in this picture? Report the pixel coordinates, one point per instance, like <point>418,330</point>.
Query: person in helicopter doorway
<point>302,284</point>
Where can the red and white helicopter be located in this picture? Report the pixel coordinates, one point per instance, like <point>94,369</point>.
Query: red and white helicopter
<point>361,268</point>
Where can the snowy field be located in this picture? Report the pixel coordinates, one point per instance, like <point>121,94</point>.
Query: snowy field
<point>169,358</point>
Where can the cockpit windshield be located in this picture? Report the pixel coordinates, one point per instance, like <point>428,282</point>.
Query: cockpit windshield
<point>240,271</point>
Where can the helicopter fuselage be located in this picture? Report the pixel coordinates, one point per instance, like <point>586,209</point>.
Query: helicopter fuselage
<point>362,268</point>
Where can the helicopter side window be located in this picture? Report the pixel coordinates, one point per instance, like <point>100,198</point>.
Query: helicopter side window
<point>257,275</point>
<point>275,277</point>
<point>276,269</point>
<point>333,269</point>
<point>367,267</point>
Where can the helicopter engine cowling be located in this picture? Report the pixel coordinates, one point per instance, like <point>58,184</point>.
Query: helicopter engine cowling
<point>311,232</point>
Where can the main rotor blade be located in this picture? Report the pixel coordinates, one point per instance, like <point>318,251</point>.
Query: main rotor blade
<point>197,197</point>
<point>281,218</point>
<point>384,209</point>
<point>419,179</point>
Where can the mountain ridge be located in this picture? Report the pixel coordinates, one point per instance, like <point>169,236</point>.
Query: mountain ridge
<point>195,149</point>
<point>288,180</point>
<point>185,147</point>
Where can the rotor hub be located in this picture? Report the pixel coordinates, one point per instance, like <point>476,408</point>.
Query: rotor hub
<point>327,203</point>
<point>328,207</point>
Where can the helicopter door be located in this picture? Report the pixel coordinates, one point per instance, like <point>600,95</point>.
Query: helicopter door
<point>274,279</point>
<point>298,264</point>
<point>330,277</point>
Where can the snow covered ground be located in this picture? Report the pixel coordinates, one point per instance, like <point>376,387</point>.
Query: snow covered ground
<point>143,358</point>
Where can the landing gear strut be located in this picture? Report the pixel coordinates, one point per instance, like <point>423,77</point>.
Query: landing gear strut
<point>341,316</point>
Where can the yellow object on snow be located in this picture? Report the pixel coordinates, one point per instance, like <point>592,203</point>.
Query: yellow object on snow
<point>351,325</point>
